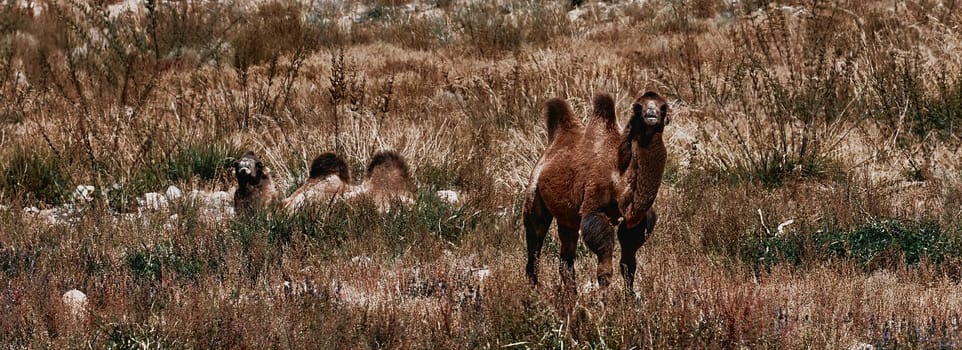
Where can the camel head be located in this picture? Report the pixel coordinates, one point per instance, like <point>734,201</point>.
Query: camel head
<point>249,169</point>
<point>649,115</point>
<point>650,112</point>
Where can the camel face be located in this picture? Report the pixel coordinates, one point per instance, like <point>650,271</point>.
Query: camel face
<point>652,109</point>
<point>249,169</point>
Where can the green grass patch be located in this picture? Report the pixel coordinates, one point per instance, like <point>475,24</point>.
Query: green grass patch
<point>875,245</point>
<point>37,177</point>
<point>151,263</point>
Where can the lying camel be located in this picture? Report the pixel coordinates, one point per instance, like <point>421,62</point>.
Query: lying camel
<point>593,178</point>
<point>328,178</point>
<point>387,182</point>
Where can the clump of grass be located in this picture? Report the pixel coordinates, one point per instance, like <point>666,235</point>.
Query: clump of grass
<point>151,263</point>
<point>785,109</point>
<point>125,335</point>
<point>493,29</point>
<point>875,245</point>
<point>36,176</point>
<point>205,161</point>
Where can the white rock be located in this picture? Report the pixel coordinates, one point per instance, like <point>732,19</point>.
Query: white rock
<point>154,201</point>
<point>215,199</point>
<point>174,193</point>
<point>84,193</point>
<point>482,273</point>
<point>449,196</point>
<point>31,210</point>
<point>861,346</point>
<point>75,303</point>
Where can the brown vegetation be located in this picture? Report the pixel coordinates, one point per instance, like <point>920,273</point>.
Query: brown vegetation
<point>594,177</point>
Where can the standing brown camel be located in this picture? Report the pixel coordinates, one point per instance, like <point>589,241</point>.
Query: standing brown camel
<point>594,177</point>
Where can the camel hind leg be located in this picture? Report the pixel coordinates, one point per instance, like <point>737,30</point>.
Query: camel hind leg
<point>599,237</point>
<point>537,219</point>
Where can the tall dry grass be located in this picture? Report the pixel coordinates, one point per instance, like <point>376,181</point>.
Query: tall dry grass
<point>811,198</point>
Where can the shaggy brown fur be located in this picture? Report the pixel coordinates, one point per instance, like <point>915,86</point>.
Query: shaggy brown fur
<point>594,177</point>
<point>255,189</point>
<point>387,181</point>
<point>328,178</point>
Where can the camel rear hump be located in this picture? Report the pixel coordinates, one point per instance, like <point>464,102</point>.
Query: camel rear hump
<point>389,171</point>
<point>559,117</point>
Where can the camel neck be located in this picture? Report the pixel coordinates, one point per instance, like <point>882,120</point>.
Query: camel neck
<point>642,178</point>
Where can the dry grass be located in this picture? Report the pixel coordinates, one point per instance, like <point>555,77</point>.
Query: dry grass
<point>842,117</point>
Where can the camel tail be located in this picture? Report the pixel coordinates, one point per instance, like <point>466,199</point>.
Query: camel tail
<point>559,116</point>
<point>328,164</point>
<point>604,109</point>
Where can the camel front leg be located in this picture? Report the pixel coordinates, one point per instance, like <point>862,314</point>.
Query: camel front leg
<point>631,240</point>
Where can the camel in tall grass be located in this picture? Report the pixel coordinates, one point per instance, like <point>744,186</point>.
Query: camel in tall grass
<point>328,178</point>
<point>593,178</point>
<point>387,182</point>
<point>255,188</point>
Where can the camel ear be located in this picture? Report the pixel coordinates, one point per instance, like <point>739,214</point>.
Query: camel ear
<point>636,109</point>
<point>664,114</point>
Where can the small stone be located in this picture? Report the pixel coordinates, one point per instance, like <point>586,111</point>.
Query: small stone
<point>174,193</point>
<point>84,193</point>
<point>75,303</point>
<point>154,201</point>
<point>449,196</point>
